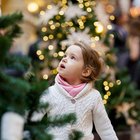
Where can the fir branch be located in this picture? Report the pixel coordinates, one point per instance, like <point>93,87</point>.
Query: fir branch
<point>59,120</point>
<point>18,62</point>
<point>14,31</point>
<point>10,20</point>
<point>75,135</point>
<point>13,93</point>
<point>5,45</point>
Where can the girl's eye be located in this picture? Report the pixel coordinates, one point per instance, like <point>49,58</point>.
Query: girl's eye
<point>72,57</point>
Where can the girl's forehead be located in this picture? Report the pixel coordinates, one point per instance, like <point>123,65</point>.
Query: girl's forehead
<point>74,48</point>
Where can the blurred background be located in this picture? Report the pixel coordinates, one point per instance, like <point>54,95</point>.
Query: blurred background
<point>34,35</point>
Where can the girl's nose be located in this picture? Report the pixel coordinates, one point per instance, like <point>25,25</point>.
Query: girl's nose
<point>64,59</point>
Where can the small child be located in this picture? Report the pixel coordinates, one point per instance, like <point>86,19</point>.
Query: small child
<point>73,92</point>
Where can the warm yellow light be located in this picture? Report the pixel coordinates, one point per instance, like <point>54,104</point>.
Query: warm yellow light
<point>87,4</point>
<point>57,17</point>
<point>112,17</point>
<point>55,55</point>
<point>42,13</point>
<point>41,57</point>
<point>61,53</point>
<point>50,47</point>
<point>61,13</point>
<point>52,27</point>
<point>96,38</point>
<point>118,82</point>
<point>50,22</point>
<point>106,88</point>
<point>32,7</point>
<point>45,76</point>
<point>44,29</point>
<point>49,7</point>
<point>72,29</point>
<point>111,35</point>
<point>99,27</point>
<point>105,83</point>
<point>45,38</point>
<point>59,35</point>
<point>89,9</point>
<point>81,5</point>
<point>106,97</point>
<point>70,23</point>
<point>109,9</point>
<point>57,24</point>
<point>108,93</point>
<point>38,52</point>
<point>80,1</point>
<point>109,27</point>
<point>82,27</point>
<point>51,36</point>
<point>104,101</point>
<point>135,12</point>
<point>111,84</point>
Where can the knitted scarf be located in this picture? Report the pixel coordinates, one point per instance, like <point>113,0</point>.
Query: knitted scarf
<point>73,90</point>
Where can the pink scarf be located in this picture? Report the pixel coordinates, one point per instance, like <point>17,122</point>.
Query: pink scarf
<point>73,90</point>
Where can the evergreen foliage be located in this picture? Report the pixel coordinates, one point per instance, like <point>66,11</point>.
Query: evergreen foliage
<point>21,85</point>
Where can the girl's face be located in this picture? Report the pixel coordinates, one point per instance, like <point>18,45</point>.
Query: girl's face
<point>72,64</point>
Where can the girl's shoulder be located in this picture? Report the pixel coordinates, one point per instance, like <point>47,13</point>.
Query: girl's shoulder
<point>95,93</point>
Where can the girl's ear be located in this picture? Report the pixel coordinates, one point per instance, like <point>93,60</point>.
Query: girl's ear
<point>86,72</point>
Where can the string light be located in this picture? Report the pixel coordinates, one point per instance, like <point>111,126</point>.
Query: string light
<point>59,35</point>
<point>61,13</point>
<point>44,29</point>
<point>118,82</point>
<point>38,52</point>
<point>105,83</point>
<point>42,13</point>
<point>87,4</point>
<point>96,38</point>
<point>45,76</point>
<point>50,22</point>
<point>111,84</point>
<point>112,17</point>
<point>45,38</point>
<point>52,27</point>
<point>55,71</point>
<point>41,57</point>
<point>89,9</point>
<point>32,7</point>
<point>55,55</point>
<point>108,93</point>
<point>81,5</point>
<point>104,101</point>
<point>57,24</point>
<point>109,27</point>
<point>57,17</point>
<point>106,97</point>
<point>50,47</point>
<point>106,88</point>
<point>49,6</point>
<point>61,53</point>
<point>51,36</point>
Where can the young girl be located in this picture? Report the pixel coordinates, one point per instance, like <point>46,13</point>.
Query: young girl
<point>73,92</point>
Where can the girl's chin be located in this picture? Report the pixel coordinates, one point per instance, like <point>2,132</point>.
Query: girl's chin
<point>63,77</point>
